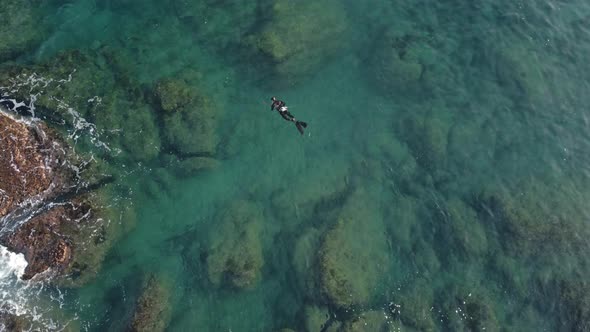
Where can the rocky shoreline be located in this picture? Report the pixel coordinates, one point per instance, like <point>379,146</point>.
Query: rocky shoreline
<point>44,206</point>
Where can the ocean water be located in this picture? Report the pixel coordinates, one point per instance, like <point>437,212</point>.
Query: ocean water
<point>441,184</point>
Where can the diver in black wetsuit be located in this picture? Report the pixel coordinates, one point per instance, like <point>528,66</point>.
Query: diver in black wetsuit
<point>281,107</point>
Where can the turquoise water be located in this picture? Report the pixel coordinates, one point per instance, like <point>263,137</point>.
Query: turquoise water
<point>444,173</point>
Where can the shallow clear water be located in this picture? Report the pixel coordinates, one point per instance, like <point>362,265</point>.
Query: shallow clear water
<point>467,180</point>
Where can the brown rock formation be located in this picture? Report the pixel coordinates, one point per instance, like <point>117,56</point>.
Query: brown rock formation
<point>39,240</point>
<point>26,162</point>
<point>30,173</point>
<point>44,211</point>
<point>153,311</point>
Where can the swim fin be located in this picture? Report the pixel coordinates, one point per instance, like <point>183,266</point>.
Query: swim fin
<point>300,125</point>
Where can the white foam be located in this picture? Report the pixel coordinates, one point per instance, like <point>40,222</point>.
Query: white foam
<point>30,299</point>
<point>12,288</point>
<point>11,264</point>
<point>34,85</point>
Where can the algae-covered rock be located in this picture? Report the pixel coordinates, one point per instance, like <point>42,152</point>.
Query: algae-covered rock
<point>56,203</point>
<point>29,165</point>
<point>12,323</point>
<point>427,137</point>
<point>222,24</point>
<point>471,144</point>
<point>100,225</point>
<point>90,94</point>
<point>28,318</point>
<point>153,310</point>
<point>316,318</point>
<point>305,260</point>
<point>174,95</point>
<point>22,27</point>
<point>519,71</point>
<point>300,36</point>
<point>69,80</point>
<point>414,304</point>
<point>397,63</point>
<point>194,165</point>
<point>396,157</point>
<point>325,186</point>
<point>537,216</point>
<point>469,311</point>
<point>190,119</point>
<point>575,308</point>
<point>235,251</point>
<point>401,221</point>
<point>464,230</point>
<point>136,131</point>
<point>353,256</point>
<point>370,321</point>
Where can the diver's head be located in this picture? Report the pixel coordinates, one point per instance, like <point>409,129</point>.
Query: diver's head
<point>273,98</point>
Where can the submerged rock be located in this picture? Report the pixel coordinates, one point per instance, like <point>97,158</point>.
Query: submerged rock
<point>22,27</point>
<point>235,253</point>
<point>190,119</point>
<point>42,247</point>
<point>153,310</point>
<point>413,305</point>
<point>316,319</point>
<point>300,37</point>
<point>427,137</point>
<point>88,91</point>
<point>463,231</point>
<point>369,321</point>
<point>574,297</point>
<point>397,64</point>
<point>327,186</point>
<point>353,255</point>
<point>537,216</point>
<point>194,165</point>
<point>469,311</point>
<point>222,24</point>
<point>388,156</point>
<point>519,71</point>
<point>304,260</point>
<point>12,323</point>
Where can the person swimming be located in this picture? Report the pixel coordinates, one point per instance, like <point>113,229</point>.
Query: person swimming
<point>281,107</point>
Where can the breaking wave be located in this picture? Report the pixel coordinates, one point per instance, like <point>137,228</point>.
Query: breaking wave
<point>36,301</point>
<point>21,298</point>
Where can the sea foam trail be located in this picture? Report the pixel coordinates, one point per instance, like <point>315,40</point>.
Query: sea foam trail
<point>12,288</point>
<point>23,297</point>
<point>11,264</point>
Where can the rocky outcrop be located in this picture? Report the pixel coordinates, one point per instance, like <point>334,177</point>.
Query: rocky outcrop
<point>42,247</point>
<point>27,164</point>
<point>189,118</point>
<point>46,209</point>
<point>24,17</point>
<point>353,256</point>
<point>11,323</point>
<point>235,255</point>
<point>153,309</point>
<point>300,37</point>
<point>89,92</point>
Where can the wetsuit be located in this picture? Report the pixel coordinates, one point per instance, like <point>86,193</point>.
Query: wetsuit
<point>280,106</point>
